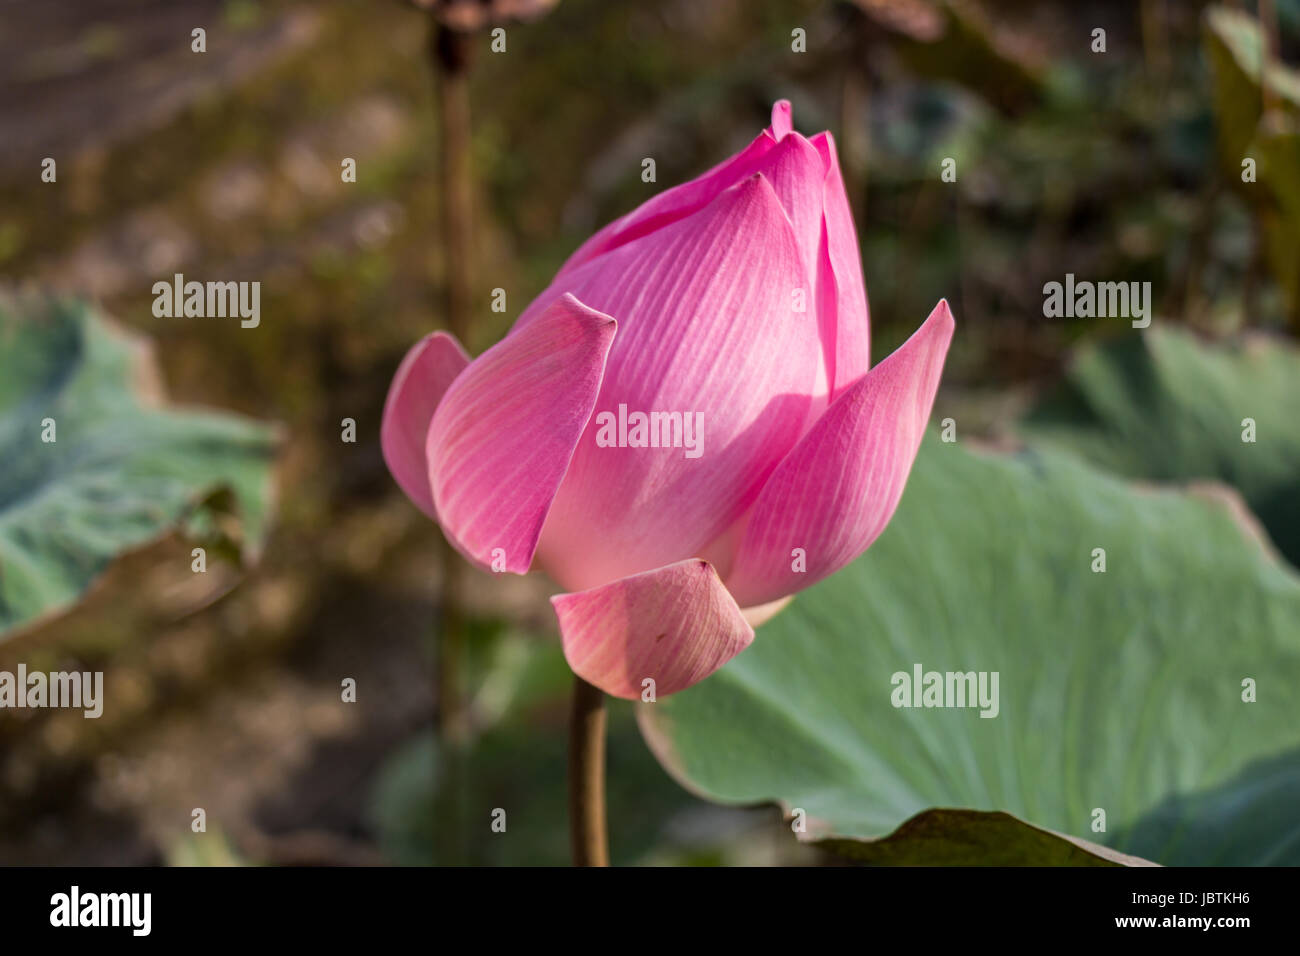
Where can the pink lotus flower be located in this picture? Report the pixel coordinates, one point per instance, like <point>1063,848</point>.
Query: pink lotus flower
<point>691,304</point>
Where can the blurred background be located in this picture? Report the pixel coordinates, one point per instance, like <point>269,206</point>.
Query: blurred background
<point>224,688</point>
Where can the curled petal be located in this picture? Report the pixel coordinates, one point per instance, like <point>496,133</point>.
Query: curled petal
<point>501,439</point>
<point>422,379</point>
<point>836,491</point>
<point>675,625</point>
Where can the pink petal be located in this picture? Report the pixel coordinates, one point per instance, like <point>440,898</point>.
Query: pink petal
<point>421,380</point>
<point>501,439</point>
<point>835,493</point>
<point>846,324</point>
<point>675,625</point>
<point>795,168</point>
<point>798,177</point>
<point>681,201</point>
<point>669,206</point>
<point>705,326</point>
<point>782,120</point>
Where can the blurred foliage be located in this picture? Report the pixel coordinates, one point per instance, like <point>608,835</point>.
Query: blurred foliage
<point>92,470</point>
<point>1257,105</point>
<point>213,848</point>
<point>1164,407</point>
<point>430,805</point>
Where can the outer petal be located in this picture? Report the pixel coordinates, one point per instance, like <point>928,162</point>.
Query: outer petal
<point>706,329</point>
<point>501,440</point>
<point>846,327</point>
<point>676,625</point>
<point>834,494</point>
<point>421,380</point>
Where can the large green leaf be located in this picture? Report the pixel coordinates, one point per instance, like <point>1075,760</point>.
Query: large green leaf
<point>119,473</point>
<point>1118,690</point>
<point>1164,407</point>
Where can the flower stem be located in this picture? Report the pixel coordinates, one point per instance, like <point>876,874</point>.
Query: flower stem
<point>587,776</point>
<point>449,53</point>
